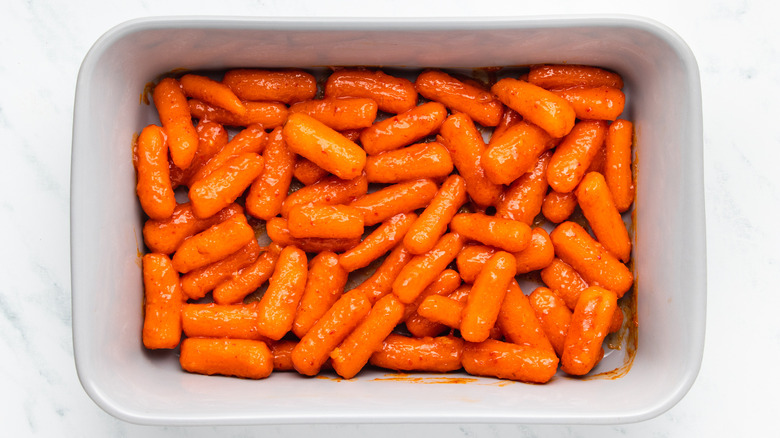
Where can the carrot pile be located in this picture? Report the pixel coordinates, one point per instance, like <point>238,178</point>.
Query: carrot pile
<point>450,221</point>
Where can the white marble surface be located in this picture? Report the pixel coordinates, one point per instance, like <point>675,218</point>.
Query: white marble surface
<point>737,45</point>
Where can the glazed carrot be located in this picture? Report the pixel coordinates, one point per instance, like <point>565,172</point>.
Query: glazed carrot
<point>324,285</point>
<point>518,322</point>
<point>538,255</point>
<point>403,129</point>
<point>248,279</point>
<point>515,152</point>
<point>392,94</point>
<point>288,86</point>
<point>459,96</point>
<point>557,207</point>
<point>459,135</point>
<point>594,103</point>
<point>212,137</point>
<point>420,326</point>
<point>154,188</point>
<point>268,114</point>
<point>510,118</point>
<point>442,310</point>
<point>225,184</point>
<point>235,321</point>
<point>325,221</point>
<point>381,281</point>
<point>329,331</point>
<point>269,190</point>
<point>522,200</point>
<point>394,199</point>
<point>599,209</point>
<point>565,281</point>
<point>617,163</point>
<point>251,139</point>
<point>307,172</point>
<point>244,358</point>
<point>597,266</point>
<point>213,244</point>
<point>200,281</point>
<point>212,92</point>
<point>509,361</point>
<point>353,353</point>
<point>487,293</point>
<point>471,259</point>
<point>597,165</point>
<point>163,300</point>
<point>381,240</point>
<point>575,153</point>
<point>617,320</point>
<point>543,108</point>
<point>276,311</point>
<point>171,104</point>
<point>445,284</point>
<point>282,353</point>
<point>433,221</point>
<point>506,234</point>
<point>279,233</point>
<point>423,269</point>
<point>422,160</point>
<point>401,353</point>
<point>352,134</point>
<point>553,314</point>
<point>589,325</point>
<point>165,236</point>
<point>560,76</point>
<point>329,191</point>
<point>340,114</point>
<point>325,147</point>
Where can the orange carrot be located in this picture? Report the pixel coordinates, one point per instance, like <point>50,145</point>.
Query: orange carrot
<point>243,358</point>
<point>509,361</point>
<point>212,137</point>
<point>484,302</point>
<point>522,200</point>
<point>422,160</point>
<point>165,236</point>
<point>307,172</point>
<point>541,107</point>
<point>248,279</point>
<point>325,147</point>
<point>251,139</point>
<point>565,281</point>
<point>324,285</point>
<point>276,311</point>
<point>589,325</point>
<point>213,244</point>
<point>515,152</point>
<point>171,104</point>
<point>506,234</point>
<point>235,321</point>
<point>394,199</point>
<point>617,165</point>
<point>433,221</point>
<point>442,310</point>
<point>225,184</point>
<point>282,353</point>
<point>288,86</point>
<point>211,92</point>
<point>445,283</point>
<point>268,114</point>
<point>438,355</point>
<point>279,233</point>
<point>472,259</point>
<point>269,190</point>
<point>560,76</point>
<point>459,96</point>
<point>553,314</point>
<point>154,188</point>
<point>341,114</point>
<point>381,281</point>
<point>518,322</point>
<point>163,301</point>
<point>557,207</point>
<point>594,103</point>
<point>420,326</point>
<point>575,153</point>
<point>380,241</point>
<point>198,282</point>
<point>325,221</point>
<point>392,94</point>
<point>423,269</point>
<point>509,119</point>
<point>328,191</point>
<point>403,129</point>
<point>538,255</point>
<point>597,205</point>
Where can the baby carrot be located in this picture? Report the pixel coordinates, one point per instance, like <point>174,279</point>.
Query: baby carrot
<point>288,86</point>
<point>213,244</point>
<point>250,139</point>
<point>557,207</point>
<point>403,129</point>
<point>518,322</point>
<point>163,301</point>
<point>353,353</point>
<point>324,285</point>
<point>433,221</point>
<point>575,153</point>
<point>392,94</point>
<point>200,281</point>
<point>269,190</point>
<point>209,320</point>
<point>594,103</point>
<point>471,259</point>
<point>515,152</point>
<point>307,172</point>
<point>341,114</point>
<point>442,310</point>
<point>225,184</point>
<point>401,353</point>
<point>509,361</point>
<point>212,137</point>
<point>325,147</point>
<point>282,353</point>
<point>276,311</point>
<point>174,111</point>
<point>248,279</point>
<point>543,108</point>
<point>538,255</point>
<point>420,326</point>
<point>380,283</point>
<point>329,331</point>
<point>394,199</point>
<point>459,135</point>
<point>596,265</point>
<point>522,200</point>
<point>560,76</point>
<point>165,236</point>
<point>381,240</point>
<point>590,323</point>
<point>422,160</point>
<point>325,221</point>
<point>279,233</point>
<point>597,165</point>
<point>459,96</point>
<point>565,281</point>
<point>329,191</point>
<point>268,114</point>
<point>423,269</point>
<point>597,205</point>
<point>445,283</point>
<point>506,234</point>
<point>553,314</point>
<point>509,119</point>
<point>617,163</point>
<point>211,92</point>
<point>487,293</point>
<point>154,188</point>
<point>244,358</point>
